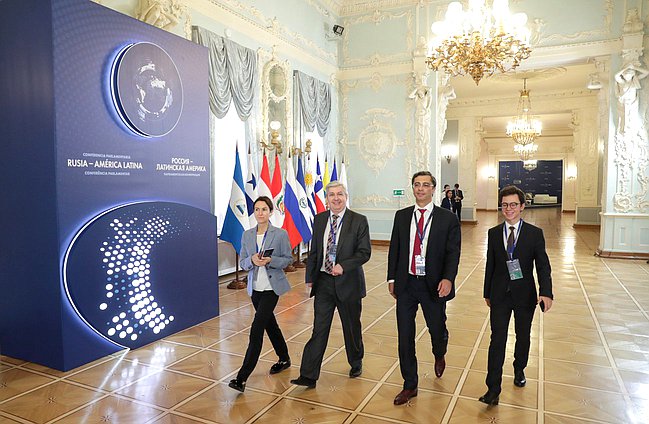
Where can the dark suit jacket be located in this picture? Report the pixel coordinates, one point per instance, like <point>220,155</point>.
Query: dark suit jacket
<point>353,250</point>
<point>460,196</point>
<point>448,204</point>
<point>442,251</point>
<point>530,249</point>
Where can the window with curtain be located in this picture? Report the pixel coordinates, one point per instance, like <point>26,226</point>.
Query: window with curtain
<point>227,133</point>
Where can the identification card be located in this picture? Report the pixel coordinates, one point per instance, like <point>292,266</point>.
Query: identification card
<point>514,268</point>
<point>420,265</point>
<point>332,253</point>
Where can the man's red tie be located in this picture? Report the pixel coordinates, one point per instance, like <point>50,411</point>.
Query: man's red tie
<point>416,248</point>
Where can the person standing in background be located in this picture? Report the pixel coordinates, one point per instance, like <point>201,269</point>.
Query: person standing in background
<point>458,196</point>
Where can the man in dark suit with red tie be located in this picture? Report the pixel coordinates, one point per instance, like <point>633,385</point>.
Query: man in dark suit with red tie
<point>514,248</point>
<point>422,265</point>
<point>334,271</point>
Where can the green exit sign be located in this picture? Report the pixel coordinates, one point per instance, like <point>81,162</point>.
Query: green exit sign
<point>398,192</point>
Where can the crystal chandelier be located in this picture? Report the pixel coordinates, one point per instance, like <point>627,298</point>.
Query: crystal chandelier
<point>529,165</point>
<point>525,151</point>
<point>524,128</point>
<point>480,41</point>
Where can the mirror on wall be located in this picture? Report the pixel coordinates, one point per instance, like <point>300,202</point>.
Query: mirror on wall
<point>277,121</point>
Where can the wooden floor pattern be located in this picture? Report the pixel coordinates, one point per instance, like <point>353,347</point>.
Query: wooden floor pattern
<point>589,356</point>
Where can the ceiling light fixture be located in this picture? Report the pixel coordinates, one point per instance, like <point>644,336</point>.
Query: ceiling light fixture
<point>480,41</point>
<point>524,128</point>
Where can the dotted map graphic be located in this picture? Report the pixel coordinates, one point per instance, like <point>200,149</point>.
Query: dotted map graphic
<point>126,267</point>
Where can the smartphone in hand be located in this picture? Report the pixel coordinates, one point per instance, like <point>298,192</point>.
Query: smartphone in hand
<point>542,306</point>
<point>267,253</point>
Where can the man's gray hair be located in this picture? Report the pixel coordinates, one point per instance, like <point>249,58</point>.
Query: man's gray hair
<point>334,184</point>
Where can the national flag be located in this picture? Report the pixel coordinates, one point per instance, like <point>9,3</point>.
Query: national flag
<point>318,189</point>
<point>334,174</point>
<point>236,218</point>
<point>325,177</point>
<point>263,188</point>
<point>303,201</point>
<point>251,190</point>
<point>308,181</point>
<point>277,218</point>
<point>343,179</point>
<point>294,222</point>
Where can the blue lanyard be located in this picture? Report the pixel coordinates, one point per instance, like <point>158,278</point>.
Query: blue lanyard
<point>335,229</point>
<point>510,251</point>
<point>263,241</point>
<point>421,235</point>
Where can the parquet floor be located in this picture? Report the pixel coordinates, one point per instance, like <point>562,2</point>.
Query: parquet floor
<point>589,360</point>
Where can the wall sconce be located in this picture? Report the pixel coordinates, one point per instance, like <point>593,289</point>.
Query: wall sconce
<point>489,173</point>
<point>297,151</point>
<point>275,138</point>
<point>449,151</point>
<point>571,174</point>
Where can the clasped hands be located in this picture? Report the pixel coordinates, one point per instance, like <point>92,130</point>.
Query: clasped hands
<point>258,260</point>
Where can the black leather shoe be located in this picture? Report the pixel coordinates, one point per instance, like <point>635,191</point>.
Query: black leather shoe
<point>237,385</point>
<point>404,396</point>
<point>490,398</point>
<point>440,366</point>
<point>304,381</point>
<point>519,378</point>
<point>280,366</point>
<point>356,371</point>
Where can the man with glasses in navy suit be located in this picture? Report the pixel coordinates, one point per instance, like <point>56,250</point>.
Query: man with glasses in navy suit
<point>514,248</point>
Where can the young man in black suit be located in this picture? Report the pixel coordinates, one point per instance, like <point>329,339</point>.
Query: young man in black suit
<point>514,247</point>
<point>422,265</point>
<point>334,271</point>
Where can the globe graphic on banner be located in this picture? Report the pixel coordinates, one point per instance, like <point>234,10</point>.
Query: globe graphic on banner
<point>146,89</point>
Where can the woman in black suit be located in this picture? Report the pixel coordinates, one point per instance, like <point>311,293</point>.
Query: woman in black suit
<point>447,201</point>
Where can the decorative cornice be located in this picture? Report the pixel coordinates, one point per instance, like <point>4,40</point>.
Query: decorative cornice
<point>273,26</point>
<point>368,6</point>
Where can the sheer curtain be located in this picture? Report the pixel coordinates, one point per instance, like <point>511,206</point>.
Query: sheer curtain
<point>227,134</point>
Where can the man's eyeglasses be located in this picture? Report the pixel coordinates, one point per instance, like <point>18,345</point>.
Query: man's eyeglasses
<point>511,205</point>
<point>424,185</point>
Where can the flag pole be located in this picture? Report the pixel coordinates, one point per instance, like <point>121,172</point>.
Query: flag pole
<point>237,284</point>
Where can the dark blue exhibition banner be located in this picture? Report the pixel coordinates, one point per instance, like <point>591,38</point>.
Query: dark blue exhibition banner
<point>108,239</point>
<point>546,178</point>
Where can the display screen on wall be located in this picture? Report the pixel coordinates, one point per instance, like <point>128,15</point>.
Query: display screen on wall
<point>545,179</point>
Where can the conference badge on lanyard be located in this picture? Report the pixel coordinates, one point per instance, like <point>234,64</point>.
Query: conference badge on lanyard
<point>420,265</point>
<point>513,265</point>
<point>514,268</point>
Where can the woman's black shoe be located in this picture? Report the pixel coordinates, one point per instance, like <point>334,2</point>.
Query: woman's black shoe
<point>280,366</point>
<point>237,385</point>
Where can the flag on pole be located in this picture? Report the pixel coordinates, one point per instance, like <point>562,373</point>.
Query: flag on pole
<point>343,178</point>
<point>303,201</point>
<point>334,174</point>
<point>263,188</point>
<point>309,183</point>
<point>277,218</point>
<point>325,177</point>
<point>251,190</point>
<point>318,189</point>
<point>294,222</point>
<point>236,218</point>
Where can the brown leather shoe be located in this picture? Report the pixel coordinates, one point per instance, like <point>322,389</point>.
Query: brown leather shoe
<point>440,366</point>
<point>404,396</point>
